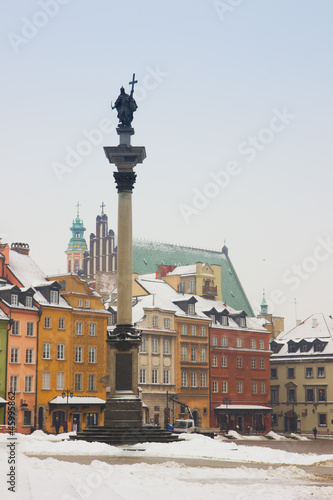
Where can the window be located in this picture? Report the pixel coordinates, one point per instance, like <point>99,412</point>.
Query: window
<point>166,323</point>
<point>60,381</point>
<point>274,395</point>
<point>13,383</point>
<point>224,341</point>
<point>193,354</point>
<point>78,354</point>
<point>47,322</point>
<point>190,309</point>
<point>61,351</point>
<point>92,355</point>
<point>321,395</point>
<point>28,301</point>
<point>212,317</point>
<point>155,321</point>
<point>193,379</point>
<point>309,372</point>
<point>254,387</point>
<point>80,302</point>
<point>261,344</point>
<point>78,382</point>
<point>92,419</point>
<point>214,361</point>
<point>309,395</point>
<point>203,355</point>
<point>215,386</point>
<point>273,372</point>
<point>239,342</point>
<point>14,300</point>
<point>166,346</point>
<point>16,328</point>
<point>46,350</point>
<point>78,328</point>
<point>322,419</point>
<point>203,379</point>
<point>224,361</point>
<point>320,372</point>
<point>274,420</point>
<point>224,386</point>
<point>46,380</point>
<point>203,331</point>
<point>182,286</point>
<point>239,387</point>
<point>291,373</point>
<point>239,363</point>
<point>54,297</point>
<point>76,266</point>
<point>28,384</point>
<point>142,375</point>
<point>87,304</point>
<point>154,376</point>
<point>263,388</point>
<point>262,364</point>
<point>27,417</point>
<point>192,286</point>
<point>183,353</point>
<point>30,329</point>
<point>28,356</point>
<point>184,379</point>
<point>184,329</point>
<point>254,363</point>
<point>14,355</point>
<point>92,329</point>
<point>224,320</point>
<point>242,322</point>
<point>253,344</point>
<point>91,382</point>
<point>143,346</point>
<point>193,330</point>
<point>61,324</point>
<point>166,376</point>
<point>214,341</point>
<point>291,396</point>
<point>155,346</point>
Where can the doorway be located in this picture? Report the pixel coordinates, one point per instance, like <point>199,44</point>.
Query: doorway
<point>41,418</point>
<point>76,426</point>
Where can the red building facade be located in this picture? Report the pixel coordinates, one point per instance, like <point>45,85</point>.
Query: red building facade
<point>240,374</point>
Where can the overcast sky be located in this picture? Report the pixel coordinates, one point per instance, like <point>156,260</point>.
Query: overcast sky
<point>235,112</point>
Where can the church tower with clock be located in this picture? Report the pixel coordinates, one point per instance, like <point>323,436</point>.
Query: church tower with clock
<point>77,246</point>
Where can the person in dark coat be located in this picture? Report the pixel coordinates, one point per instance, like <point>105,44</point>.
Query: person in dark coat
<point>314,430</point>
<point>57,426</point>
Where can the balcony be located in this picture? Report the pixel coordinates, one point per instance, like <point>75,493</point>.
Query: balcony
<point>209,290</point>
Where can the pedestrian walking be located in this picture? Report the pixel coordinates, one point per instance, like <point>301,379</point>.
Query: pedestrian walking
<point>314,430</point>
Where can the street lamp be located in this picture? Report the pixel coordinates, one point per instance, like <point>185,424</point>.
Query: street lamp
<point>226,402</point>
<point>67,392</point>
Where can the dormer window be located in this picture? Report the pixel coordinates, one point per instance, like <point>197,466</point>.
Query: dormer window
<point>54,297</point>
<point>212,317</point>
<point>28,301</point>
<point>190,309</point>
<point>14,300</point>
<point>242,322</point>
<point>225,321</point>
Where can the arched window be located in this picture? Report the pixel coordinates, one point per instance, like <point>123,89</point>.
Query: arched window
<point>76,266</point>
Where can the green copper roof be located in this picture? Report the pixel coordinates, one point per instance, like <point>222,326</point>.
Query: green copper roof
<point>148,255</point>
<point>77,241</point>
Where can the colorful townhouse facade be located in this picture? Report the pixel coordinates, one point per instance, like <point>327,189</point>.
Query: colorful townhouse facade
<point>301,377</point>
<point>4,322</point>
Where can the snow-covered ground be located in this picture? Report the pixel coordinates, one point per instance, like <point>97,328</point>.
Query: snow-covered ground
<point>50,479</point>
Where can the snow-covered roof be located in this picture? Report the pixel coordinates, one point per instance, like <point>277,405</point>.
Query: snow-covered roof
<point>315,327</point>
<point>3,315</point>
<point>3,401</point>
<point>77,400</point>
<point>25,269</point>
<point>181,270</point>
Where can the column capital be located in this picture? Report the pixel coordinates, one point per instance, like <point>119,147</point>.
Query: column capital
<point>125,181</point>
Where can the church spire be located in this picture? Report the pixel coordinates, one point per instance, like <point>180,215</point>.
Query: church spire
<point>77,245</point>
<point>263,305</point>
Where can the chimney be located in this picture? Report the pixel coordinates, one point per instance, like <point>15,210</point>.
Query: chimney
<point>314,322</point>
<point>22,248</point>
<point>163,270</point>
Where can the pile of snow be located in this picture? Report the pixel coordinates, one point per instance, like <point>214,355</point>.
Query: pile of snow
<point>299,437</point>
<point>275,436</point>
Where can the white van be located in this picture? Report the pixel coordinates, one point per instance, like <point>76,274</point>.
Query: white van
<point>184,425</point>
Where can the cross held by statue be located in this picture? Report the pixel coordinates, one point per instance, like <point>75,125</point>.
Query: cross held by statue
<point>133,82</point>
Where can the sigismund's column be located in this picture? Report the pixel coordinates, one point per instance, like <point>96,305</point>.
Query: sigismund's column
<point>123,407</point>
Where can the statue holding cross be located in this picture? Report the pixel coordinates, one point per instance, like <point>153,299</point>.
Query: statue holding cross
<point>126,105</point>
